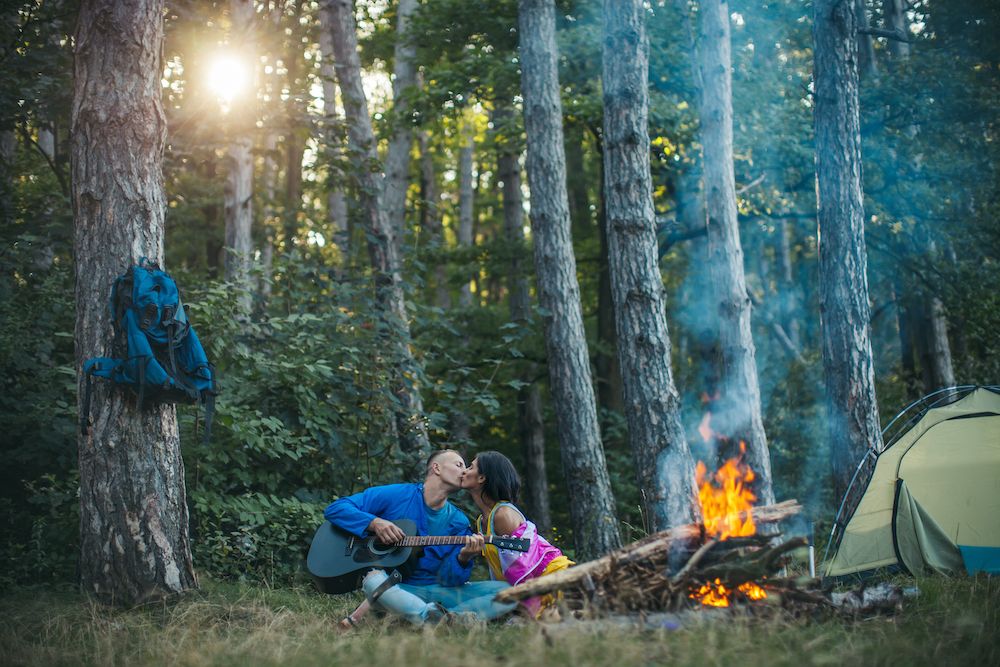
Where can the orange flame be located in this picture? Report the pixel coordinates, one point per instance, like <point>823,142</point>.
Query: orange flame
<point>727,511</point>
<point>726,499</point>
<point>714,594</point>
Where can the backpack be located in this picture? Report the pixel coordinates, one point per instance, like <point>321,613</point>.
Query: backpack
<point>163,360</point>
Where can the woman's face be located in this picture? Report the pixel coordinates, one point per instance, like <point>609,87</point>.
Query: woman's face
<point>471,479</point>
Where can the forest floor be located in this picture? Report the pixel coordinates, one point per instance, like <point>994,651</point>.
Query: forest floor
<point>950,622</point>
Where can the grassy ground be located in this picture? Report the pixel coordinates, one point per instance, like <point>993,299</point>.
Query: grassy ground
<point>951,622</point>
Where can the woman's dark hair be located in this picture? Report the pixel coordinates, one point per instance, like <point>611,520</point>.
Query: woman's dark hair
<point>502,480</point>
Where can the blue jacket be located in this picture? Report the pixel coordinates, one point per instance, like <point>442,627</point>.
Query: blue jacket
<point>438,564</point>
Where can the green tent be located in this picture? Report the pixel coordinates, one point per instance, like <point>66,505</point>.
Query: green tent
<point>930,500</point>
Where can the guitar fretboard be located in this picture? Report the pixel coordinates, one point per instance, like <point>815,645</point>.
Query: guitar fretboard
<point>434,540</point>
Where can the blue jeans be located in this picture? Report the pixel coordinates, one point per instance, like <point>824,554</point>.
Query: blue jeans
<point>418,604</point>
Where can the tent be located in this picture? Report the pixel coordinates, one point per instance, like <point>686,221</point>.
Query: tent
<point>930,500</point>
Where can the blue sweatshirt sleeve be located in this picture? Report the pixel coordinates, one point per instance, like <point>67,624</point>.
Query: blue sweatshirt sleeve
<point>354,513</point>
<point>452,572</point>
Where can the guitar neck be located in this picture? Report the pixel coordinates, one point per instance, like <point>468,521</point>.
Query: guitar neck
<point>434,540</point>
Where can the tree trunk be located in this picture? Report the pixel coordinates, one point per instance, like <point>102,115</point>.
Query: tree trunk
<point>736,407</point>
<point>466,199</point>
<point>852,412</point>
<point>935,353</point>
<point>592,509</point>
<point>531,427</point>
<point>294,150</point>
<point>269,219</point>
<point>133,511</point>
<point>867,65</point>
<point>8,152</point>
<point>788,296</point>
<point>336,201</point>
<point>609,375</point>
<point>397,159</point>
<point>894,15</point>
<point>579,206</point>
<point>663,464</point>
<point>412,429</point>
<point>238,207</point>
<point>430,221</point>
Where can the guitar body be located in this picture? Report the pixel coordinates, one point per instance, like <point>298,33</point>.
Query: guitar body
<point>337,560</point>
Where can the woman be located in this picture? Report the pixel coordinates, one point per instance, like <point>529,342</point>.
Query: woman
<point>492,482</point>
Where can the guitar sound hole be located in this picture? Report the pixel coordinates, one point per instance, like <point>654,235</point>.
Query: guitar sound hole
<point>378,548</point>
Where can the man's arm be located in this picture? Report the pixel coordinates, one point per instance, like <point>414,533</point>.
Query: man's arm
<point>360,514</point>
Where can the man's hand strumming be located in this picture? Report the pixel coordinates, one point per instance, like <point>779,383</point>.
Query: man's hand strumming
<point>473,547</point>
<point>385,531</point>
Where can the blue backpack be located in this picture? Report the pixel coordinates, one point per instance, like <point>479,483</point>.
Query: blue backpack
<point>163,358</point>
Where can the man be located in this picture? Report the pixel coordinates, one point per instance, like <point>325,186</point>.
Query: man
<point>436,585</point>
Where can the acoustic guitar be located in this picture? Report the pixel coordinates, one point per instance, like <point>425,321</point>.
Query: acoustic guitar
<point>337,560</point>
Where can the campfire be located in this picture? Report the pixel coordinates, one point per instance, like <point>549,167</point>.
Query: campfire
<point>726,501</point>
<point>733,558</point>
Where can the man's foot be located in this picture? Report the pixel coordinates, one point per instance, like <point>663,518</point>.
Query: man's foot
<point>347,624</point>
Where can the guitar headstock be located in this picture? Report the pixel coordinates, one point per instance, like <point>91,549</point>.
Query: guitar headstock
<point>510,543</point>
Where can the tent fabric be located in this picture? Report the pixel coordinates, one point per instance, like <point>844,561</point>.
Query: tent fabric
<point>950,463</point>
<point>920,542</point>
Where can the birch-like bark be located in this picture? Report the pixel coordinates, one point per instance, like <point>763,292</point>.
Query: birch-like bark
<point>412,430</point>
<point>663,464</point>
<point>852,412</point>
<point>134,543</point>
<point>397,159</point>
<point>592,509</point>
<point>736,409</point>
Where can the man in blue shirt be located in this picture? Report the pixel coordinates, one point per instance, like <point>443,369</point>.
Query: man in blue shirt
<point>437,584</point>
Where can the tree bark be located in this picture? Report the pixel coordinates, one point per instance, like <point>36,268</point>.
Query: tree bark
<point>133,512</point>
<point>852,411</point>
<point>867,64</point>
<point>592,509</point>
<point>531,427</point>
<point>894,13</point>
<point>336,200</point>
<point>736,407</point>
<point>397,160</point>
<point>238,193</point>
<point>609,375</point>
<point>412,430</point>
<point>8,152</point>
<point>466,199</point>
<point>663,464</point>
<point>430,220</point>
<point>269,219</point>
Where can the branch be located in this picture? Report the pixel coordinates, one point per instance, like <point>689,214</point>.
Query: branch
<point>751,185</point>
<point>895,35</point>
<point>55,169</point>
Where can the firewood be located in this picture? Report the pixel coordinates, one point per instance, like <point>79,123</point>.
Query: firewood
<point>653,547</point>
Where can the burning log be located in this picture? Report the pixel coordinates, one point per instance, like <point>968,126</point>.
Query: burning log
<point>644,563</point>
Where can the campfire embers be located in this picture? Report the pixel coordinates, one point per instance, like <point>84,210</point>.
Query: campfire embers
<point>726,501</point>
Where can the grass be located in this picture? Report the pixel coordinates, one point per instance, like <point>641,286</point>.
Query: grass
<point>951,622</point>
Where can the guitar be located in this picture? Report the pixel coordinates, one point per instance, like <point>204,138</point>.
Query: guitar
<point>337,559</point>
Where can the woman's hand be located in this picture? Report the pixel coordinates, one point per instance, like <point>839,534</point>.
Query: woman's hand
<point>473,547</point>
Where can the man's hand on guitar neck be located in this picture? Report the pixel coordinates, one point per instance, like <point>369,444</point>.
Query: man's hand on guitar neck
<point>473,547</point>
<point>385,531</point>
